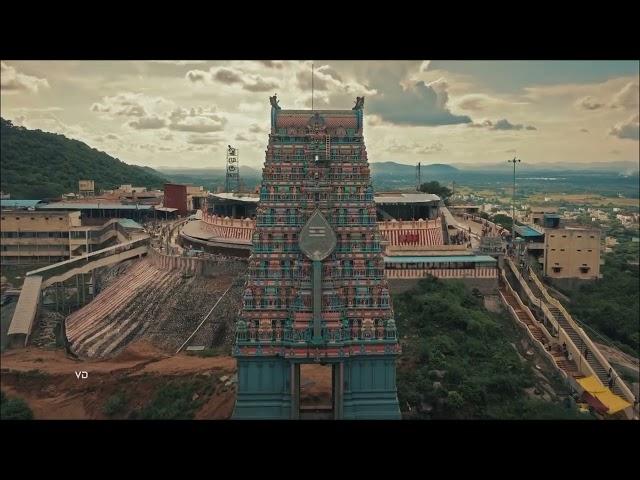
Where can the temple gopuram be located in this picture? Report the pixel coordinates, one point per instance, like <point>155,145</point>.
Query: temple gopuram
<point>316,292</point>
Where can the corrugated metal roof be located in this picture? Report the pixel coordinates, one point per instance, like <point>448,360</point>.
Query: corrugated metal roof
<point>166,209</point>
<point>526,231</point>
<point>19,203</point>
<point>92,206</point>
<point>452,258</point>
<point>128,223</point>
<point>237,197</point>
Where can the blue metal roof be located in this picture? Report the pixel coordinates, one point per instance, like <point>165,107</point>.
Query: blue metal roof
<point>526,231</point>
<point>19,203</point>
<point>93,206</point>
<point>443,259</point>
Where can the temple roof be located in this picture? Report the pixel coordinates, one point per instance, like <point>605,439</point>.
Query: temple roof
<point>330,118</point>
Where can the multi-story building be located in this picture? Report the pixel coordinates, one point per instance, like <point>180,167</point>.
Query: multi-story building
<point>39,237</point>
<point>562,251</point>
<point>316,291</point>
<point>572,252</point>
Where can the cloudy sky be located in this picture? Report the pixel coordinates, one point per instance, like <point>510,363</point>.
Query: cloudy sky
<point>184,113</point>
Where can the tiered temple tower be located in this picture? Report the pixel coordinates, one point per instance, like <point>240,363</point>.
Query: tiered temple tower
<point>316,291</point>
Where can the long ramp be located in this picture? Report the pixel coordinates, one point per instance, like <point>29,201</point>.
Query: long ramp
<point>25,313</point>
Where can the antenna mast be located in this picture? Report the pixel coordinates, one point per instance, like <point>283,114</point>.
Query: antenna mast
<point>311,85</point>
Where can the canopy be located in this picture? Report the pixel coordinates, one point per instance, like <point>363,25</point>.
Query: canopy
<point>596,404</point>
<point>613,401</point>
<point>591,384</point>
<point>594,387</point>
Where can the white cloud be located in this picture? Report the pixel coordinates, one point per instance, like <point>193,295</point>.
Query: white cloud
<point>627,130</point>
<point>627,97</point>
<point>203,139</point>
<point>12,81</point>
<point>589,103</point>
<point>147,123</point>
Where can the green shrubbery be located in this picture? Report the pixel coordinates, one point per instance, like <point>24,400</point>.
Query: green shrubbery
<point>14,408</point>
<point>177,400</point>
<point>612,305</point>
<point>39,165</point>
<point>116,404</point>
<point>458,360</point>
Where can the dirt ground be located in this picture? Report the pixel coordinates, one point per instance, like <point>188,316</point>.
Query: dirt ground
<point>47,381</point>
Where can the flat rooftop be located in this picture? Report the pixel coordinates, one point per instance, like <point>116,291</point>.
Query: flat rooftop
<point>19,203</point>
<point>404,198</point>
<point>527,231</point>
<point>442,259</point>
<point>92,206</point>
<point>238,197</point>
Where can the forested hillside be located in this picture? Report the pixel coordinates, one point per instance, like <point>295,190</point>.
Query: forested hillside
<point>39,165</point>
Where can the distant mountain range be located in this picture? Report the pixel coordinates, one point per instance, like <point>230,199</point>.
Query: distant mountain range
<point>622,167</point>
<point>37,164</point>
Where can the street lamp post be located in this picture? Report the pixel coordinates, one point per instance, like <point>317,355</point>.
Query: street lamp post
<point>513,200</point>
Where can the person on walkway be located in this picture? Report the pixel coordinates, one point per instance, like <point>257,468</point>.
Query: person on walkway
<point>569,356</point>
<point>564,349</point>
<point>586,353</point>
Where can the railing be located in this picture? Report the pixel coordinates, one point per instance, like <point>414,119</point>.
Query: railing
<point>62,267</point>
<point>540,346</point>
<point>228,222</point>
<point>534,299</point>
<point>629,396</point>
<point>391,225</point>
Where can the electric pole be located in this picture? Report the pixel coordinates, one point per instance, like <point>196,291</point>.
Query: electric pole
<point>513,200</point>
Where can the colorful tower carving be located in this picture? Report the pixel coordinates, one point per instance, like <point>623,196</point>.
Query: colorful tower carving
<point>316,290</point>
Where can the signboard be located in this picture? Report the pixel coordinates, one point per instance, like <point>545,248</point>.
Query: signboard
<point>86,185</point>
<point>317,238</point>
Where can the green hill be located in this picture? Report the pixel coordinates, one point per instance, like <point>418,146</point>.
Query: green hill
<point>39,165</point>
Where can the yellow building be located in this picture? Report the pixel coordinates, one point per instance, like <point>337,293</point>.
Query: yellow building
<point>572,252</point>
<point>30,237</point>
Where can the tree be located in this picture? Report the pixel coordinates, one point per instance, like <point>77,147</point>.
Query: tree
<point>503,220</point>
<point>434,187</point>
